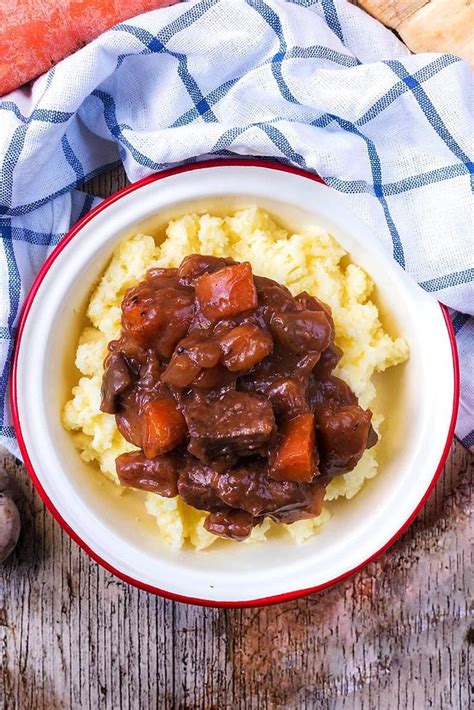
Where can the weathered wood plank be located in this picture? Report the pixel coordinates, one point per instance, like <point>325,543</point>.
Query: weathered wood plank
<point>393,636</point>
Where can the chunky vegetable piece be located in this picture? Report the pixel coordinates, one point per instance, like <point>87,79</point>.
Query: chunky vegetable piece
<point>164,427</point>
<point>223,380</point>
<point>294,458</point>
<point>35,35</point>
<point>227,292</point>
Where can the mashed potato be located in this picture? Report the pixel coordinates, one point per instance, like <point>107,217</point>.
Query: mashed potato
<point>308,260</point>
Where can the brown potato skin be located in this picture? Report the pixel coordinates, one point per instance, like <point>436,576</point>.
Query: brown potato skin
<point>10,526</point>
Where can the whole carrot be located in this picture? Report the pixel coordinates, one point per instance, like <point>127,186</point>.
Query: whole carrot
<point>36,34</point>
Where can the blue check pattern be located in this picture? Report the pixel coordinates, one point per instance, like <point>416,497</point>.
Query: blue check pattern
<point>317,84</point>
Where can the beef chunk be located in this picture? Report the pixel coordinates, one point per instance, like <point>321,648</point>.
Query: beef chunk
<point>331,392</point>
<point>302,331</point>
<point>215,378</point>
<point>235,423</point>
<point>117,378</point>
<point>286,395</point>
<point>157,317</point>
<point>306,302</point>
<point>312,510</point>
<point>195,265</point>
<point>163,278</point>
<point>128,419</point>
<point>134,353</point>
<point>250,488</point>
<point>158,475</point>
<point>342,437</point>
<point>273,298</point>
<point>197,486</point>
<point>280,364</point>
<point>328,361</point>
<point>372,437</point>
<point>233,524</point>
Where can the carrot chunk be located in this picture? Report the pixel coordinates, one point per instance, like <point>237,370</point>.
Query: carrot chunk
<point>227,292</point>
<point>164,427</point>
<point>35,35</point>
<point>295,458</point>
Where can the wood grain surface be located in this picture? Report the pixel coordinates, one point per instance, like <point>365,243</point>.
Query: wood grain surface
<point>397,635</point>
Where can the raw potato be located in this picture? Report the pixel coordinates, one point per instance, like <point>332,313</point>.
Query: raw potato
<point>9,517</point>
<point>8,485</point>
<point>429,25</point>
<point>9,526</point>
<point>4,481</point>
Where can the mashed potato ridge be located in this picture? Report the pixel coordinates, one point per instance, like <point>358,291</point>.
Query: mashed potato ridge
<point>308,260</point>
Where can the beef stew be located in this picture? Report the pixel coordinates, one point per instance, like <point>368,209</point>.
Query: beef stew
<point>224,382</point>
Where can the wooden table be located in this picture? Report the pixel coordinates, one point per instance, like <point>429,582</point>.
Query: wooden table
<point>396,635</point>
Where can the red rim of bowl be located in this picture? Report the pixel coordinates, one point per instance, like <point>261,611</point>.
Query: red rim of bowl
<point>49,504</point>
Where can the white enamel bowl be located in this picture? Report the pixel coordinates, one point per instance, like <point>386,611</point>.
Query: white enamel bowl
<point>419,398</point>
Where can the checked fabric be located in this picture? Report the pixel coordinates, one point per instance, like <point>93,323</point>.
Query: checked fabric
<point>316,84</point>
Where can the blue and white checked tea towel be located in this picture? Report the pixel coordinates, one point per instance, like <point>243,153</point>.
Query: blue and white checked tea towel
<point>315,83</point>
